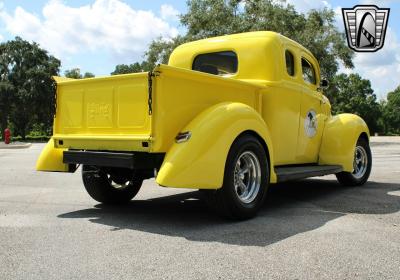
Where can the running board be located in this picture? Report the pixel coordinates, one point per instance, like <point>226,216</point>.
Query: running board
<point>288,173</point>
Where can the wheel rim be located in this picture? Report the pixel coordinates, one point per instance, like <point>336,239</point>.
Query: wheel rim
<point>247,177</point>
<point>118,184</point>
<point>360,163</point>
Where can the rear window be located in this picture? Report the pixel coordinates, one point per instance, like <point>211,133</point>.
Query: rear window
<point>217,63</point>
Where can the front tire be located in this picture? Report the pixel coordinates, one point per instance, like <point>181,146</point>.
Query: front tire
<point>112,186</point>
<point>246,180</point>
<point>362,166</point>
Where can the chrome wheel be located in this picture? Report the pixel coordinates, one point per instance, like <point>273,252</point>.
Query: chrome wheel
<point>247,177</point>
<point>360,162</point>
<point>246,180</point>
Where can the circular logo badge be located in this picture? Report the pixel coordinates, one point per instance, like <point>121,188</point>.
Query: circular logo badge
<point>310,123</point>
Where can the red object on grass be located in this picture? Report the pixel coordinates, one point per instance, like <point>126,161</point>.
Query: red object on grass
<point>7,136</point>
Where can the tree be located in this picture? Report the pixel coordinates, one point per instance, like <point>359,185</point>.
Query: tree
<point>352,94</point>
<point>160,50</point>
<point>206,18</point>
<point>75,73</point>
<point>26,73</point>
<point>132,68</point>
<point>88,75</point>
<point>391,112</point>
<point>6,90</point>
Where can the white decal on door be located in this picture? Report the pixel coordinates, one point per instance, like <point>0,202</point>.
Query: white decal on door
<point>310,123</point>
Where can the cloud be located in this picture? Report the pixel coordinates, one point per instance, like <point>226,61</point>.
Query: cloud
<point>339,19</point>
<point>382,68</point>
<point>107,25</point>
<point>382,3</point>
<point>169,12</point>
<point>304,6</point>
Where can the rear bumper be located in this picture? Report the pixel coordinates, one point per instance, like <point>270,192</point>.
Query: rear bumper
<point>137,160</point>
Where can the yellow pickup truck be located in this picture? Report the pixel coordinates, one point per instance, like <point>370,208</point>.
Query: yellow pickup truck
<point>228,115</point>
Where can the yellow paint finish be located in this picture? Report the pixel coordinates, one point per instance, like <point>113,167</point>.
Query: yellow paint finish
<point>179,95</point>
<point>51,159</point>
<point>104,142</point>
<point>308,147</point>
<point>59,79</point>
<point>200,162</point>
<point>259,54</point>
<point>281,105</point>
<point>103,113</point>
<point>339,140</point>
<point>286,102</point>
<point>311,100</point>
<point>112,113</point>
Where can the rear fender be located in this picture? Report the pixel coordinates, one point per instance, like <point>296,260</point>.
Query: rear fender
<point>51,159</point>
<point>200,161</point>
<point>339,140</point>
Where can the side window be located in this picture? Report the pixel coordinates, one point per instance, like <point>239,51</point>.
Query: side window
<point>308,72</point>
<point>289,62</point>
<point>217,63</point>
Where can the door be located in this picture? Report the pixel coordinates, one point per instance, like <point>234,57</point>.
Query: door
<point>281,109</point>
<point>311,122</point>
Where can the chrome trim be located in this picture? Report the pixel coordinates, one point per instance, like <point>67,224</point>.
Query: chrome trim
<point>247,177</point>
<point>183,137</point>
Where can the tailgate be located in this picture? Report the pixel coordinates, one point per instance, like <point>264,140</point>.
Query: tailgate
<point>110,113</point>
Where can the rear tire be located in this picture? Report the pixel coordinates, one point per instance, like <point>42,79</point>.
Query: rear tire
<point>113,186</point>
<point>362,166</point>
<point>246,180</point>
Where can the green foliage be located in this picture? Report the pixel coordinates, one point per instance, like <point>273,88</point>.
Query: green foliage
<point>88,75</point>
<point>315,30</point>
<point>6,99</point>
<point>27,89</point>
<point>352,94</point>
<point>391,112</point>
<point>75,73</point>
<point>207,18</point>
<point>38,133</point>
<point>26,73</point>
<point>31,138</point>
<point>160,50</point>
<point>132,68</point>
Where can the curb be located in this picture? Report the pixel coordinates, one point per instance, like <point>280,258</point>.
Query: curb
<point>16,146</point>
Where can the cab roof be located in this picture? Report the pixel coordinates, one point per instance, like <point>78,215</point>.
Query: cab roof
<point>242,36</point>
<point>254,50</point>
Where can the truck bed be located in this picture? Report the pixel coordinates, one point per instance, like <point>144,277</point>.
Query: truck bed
<point>140,112</point>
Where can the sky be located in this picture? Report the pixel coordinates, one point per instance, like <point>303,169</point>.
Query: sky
<point>96,35</point>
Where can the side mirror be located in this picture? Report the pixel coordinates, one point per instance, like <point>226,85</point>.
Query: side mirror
<point>324,84</point>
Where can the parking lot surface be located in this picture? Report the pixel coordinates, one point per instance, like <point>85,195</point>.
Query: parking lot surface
<point>310,229</point>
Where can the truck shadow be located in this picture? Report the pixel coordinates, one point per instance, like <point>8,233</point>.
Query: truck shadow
<point>290,209</point>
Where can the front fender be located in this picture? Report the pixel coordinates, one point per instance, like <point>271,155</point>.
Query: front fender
<point>339,140</point>
<point>200,162</point>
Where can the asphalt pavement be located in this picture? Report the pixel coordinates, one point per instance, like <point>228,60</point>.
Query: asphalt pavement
<point>309,229</point>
